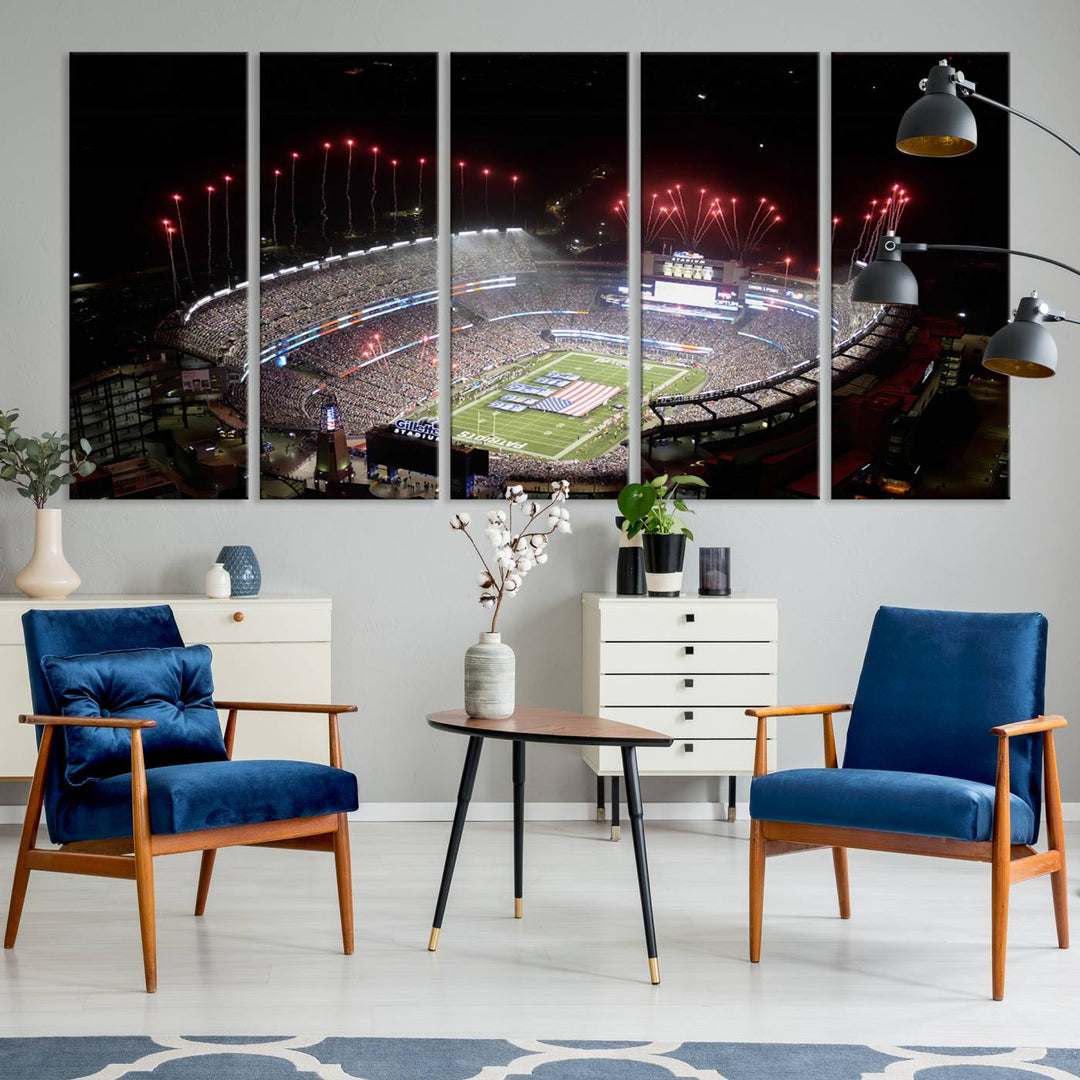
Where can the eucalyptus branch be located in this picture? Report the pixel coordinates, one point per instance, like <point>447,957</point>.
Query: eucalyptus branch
<point>40,467</point>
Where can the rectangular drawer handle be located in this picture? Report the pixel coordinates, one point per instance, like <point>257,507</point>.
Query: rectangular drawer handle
<point>688,683</point>
<point>689,616</point>
<point>689,650</point>
<point>688,747</point>
<point>688,715</point>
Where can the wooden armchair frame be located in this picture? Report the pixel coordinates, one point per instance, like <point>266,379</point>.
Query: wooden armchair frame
<point>132,857</point>
<point>1009,862</point>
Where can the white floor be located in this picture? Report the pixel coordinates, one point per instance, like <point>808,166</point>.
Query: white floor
<point>911,966</point>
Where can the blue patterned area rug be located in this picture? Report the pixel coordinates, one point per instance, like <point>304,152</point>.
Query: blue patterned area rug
<point>284,1058</point>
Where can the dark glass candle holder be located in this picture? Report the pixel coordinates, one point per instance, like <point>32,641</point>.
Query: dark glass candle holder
<point>714,571</point>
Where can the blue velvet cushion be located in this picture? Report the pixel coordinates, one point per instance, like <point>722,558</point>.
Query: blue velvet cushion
<point>172,686</point>
<point>921,804</point>
<point>208,795</point>
<point>933,684</point>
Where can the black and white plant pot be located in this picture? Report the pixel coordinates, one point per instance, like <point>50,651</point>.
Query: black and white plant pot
<point>664,554</point>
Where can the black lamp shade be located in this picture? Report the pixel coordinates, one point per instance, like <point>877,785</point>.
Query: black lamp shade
<point>937,125</point>
<point>1024,349</point>
<point>886,281</point>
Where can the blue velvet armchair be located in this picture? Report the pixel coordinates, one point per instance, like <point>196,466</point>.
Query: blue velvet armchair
<point>947,752</point>
<point>132,763</point>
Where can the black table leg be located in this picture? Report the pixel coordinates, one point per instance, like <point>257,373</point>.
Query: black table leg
<point>468,778</point>
<point>731,798</point>
<point>519,825</point>
<point>615,800</point>
<point>637,827</point>
<point>600,798</point>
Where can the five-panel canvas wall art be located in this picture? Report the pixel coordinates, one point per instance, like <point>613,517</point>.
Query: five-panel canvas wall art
<point>548,369</point>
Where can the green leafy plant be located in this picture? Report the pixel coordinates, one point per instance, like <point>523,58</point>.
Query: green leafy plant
<point>654,507</point>
<point>40,467</point>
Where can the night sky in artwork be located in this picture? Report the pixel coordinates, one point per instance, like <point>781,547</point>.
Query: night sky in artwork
<point>961,200</point>
<point>742,125</point>
<point>386,104</point>
<point>558,122</point>
<point>145,126</point>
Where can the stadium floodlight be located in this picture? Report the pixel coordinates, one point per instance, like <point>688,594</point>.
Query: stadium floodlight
<point>941,124</point>
<point>1022,348</point>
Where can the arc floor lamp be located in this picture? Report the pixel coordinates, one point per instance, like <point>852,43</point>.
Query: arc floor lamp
<point>941,124</point>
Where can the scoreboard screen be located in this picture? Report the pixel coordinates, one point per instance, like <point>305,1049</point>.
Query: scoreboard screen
<point>684,293</point>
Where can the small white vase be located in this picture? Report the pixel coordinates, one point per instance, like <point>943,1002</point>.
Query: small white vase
<point>218,582</point>
<point>489,678</point>
<point>48,575</point>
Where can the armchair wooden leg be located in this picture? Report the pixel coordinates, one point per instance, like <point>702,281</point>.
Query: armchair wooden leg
<point>27,841</point>
<point>1000,919</point>
<point>144,861</point>
<point>206,871</point>
<point>757,888</point>
<point>839,858</point>
<point>1000,870</point>
<point>1055,830</point>
<point>343,866</point>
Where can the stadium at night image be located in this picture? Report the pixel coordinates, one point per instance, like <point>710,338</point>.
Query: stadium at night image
<point>730,270</point>
<point>348,355</point>
<point>914,413</point>
<point>541,374</point>
<point>158,219</point>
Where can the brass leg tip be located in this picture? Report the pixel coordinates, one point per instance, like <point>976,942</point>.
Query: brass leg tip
<point>433,940</point>
<point>654,971</point>
<point>616,832</point>
<point>600,813</point>
<point>519,907</point>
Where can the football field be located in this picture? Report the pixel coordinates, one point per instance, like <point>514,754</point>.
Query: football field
<point>555,436</point>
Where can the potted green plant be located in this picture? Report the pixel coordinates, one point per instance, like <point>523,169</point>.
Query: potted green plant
<point>653,510</point>
<point>39,467</point>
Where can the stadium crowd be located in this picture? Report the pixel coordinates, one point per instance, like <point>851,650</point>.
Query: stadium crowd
<point>492,327</point>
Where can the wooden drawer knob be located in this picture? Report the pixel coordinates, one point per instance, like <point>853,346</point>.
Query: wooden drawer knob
<point>688,714</point>
<point>688,747</point>
<point>689,616</point>
<point>689,650</point>
<point>238,616</point>
<point>688,683</point>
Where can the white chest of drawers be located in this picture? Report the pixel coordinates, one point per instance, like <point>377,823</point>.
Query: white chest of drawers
<point>266,648</point>
<point>686,666</point>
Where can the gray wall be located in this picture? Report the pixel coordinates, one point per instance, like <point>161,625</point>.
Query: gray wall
<point>402,584</point>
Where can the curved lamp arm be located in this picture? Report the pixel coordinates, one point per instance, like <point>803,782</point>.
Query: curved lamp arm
<point>982,248</point>
<point>1016,112</point>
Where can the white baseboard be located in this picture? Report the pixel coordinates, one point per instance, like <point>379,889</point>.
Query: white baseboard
<point>12,814</point>
<point>542,811</point>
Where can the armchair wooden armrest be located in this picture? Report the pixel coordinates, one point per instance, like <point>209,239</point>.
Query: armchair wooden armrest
<point>282,706</point>
<point>1029,727</point>
<point>87,721</point>
<point>761,766</point>
<point>797,710</point>
<point>330,711</point>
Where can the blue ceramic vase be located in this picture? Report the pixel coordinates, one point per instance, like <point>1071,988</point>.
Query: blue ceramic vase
<point>244,573</point>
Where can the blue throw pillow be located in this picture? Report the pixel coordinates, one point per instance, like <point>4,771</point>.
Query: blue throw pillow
<point>172,686</point>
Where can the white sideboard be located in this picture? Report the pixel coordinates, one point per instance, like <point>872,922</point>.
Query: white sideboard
<point>687,666</point>
<point>266,648</point>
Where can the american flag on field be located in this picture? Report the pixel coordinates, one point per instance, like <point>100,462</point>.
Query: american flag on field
<point>578,399</point>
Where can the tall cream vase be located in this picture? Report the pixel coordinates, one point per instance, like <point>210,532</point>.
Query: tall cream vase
<point>48,575</point>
